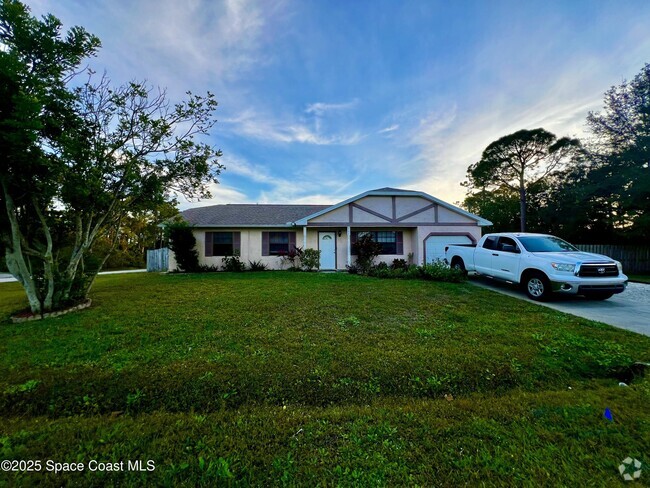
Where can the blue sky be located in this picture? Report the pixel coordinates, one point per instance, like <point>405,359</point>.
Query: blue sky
<point>321,100</point>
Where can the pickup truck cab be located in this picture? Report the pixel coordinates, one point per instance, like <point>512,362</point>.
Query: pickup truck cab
<point>541,264</point>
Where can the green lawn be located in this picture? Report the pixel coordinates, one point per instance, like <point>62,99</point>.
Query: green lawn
<point>283,378</point>
<point>644,278</point>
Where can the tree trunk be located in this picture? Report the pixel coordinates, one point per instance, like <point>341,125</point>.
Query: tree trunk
<point>56,289</point>
<point>15,265</point>
<point>522,208</point>
<point>15,258</point>
<point>48,262</point>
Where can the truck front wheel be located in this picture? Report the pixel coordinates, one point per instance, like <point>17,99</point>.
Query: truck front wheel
<point>537,286</point>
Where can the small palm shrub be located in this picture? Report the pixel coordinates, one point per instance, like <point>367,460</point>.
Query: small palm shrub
<point>257,266</point>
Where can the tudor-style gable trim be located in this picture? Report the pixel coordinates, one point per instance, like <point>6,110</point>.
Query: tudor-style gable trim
<point>370,211</point>
<point>420,210</point>
<point>435,202</point>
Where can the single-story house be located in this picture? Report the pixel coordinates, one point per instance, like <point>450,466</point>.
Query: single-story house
<point>407,224</point>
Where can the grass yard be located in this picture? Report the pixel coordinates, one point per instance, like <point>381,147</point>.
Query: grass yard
<point>282,378</point>
<point>641,278</point>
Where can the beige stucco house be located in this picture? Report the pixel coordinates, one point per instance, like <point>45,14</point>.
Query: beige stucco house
<point>407,224</point>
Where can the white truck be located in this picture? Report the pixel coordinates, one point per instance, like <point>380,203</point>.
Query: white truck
<point>541,264</point>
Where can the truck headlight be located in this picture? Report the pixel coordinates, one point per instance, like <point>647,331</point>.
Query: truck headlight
<point>619,266</point>
<point>564,267</point>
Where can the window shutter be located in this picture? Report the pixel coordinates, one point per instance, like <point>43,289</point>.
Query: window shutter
<point>353,239</point>
<point>265,244</point>
<point>292,241</point>
<point>208,243</point>
<point>399,242</point>
<point>236,242</point>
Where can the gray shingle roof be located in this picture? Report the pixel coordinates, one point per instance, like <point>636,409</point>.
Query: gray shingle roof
<point>248,214</point>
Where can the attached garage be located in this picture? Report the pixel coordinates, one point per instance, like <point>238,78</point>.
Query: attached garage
<point>434,245</point>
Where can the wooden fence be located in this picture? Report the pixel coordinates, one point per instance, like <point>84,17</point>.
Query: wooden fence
<point>158,259</point>
<point>635,259</point>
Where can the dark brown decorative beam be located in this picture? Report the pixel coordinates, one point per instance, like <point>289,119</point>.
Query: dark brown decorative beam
<point>372,212</point>
<point>423,209</point>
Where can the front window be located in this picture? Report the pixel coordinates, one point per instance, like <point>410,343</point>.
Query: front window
<point>506,244</point>
<point>386,239</point>
<point>490,243</point>
<point>222,244</point>
<point>546,244</point>
<point>278,243</point>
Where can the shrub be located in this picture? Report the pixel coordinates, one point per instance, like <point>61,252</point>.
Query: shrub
<point>256,266</point>
<point>233,263</point>
<point>413,272</point>
<point>204,268</point>
<point>439,271</point>
<point>292,257</point>
<point>310,259</point>
<point>353,269</point>
<point>183,244</point>
<point>381,270</point>
<point>124,258</point>
<point>366,250</point>
<point>399,264</point>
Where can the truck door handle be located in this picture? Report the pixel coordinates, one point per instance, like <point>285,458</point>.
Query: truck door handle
<point>494,254</point>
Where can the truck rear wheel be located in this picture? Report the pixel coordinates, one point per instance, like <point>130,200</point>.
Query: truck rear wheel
<point>537,286</point>
<point>457,263</point>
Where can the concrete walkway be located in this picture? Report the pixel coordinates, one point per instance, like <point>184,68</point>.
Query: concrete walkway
<point>628,310</point>
<point>7,278</point>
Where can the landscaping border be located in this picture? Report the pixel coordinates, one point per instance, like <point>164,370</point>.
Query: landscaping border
<point>19,320</point>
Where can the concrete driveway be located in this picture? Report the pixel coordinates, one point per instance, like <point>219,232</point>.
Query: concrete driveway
<point>7,278</point>
<point>628,310</point>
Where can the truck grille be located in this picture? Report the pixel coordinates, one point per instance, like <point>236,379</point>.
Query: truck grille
<point>598,270</point>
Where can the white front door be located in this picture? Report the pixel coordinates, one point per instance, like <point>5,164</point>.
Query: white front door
<point>327,247</point>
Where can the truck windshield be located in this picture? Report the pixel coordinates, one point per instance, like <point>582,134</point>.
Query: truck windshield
<point>546,244</point>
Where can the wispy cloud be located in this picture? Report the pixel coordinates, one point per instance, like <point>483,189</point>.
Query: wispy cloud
<point>320,108</point>
<point>194,44</point>
<point>194,37</point>
<point>250,123</point>
<point>390,128</point>
<point>307,183</point>
<point>432,125</point>
<point>448,143</point>
<point>355,110</point>
<point>220,194</point>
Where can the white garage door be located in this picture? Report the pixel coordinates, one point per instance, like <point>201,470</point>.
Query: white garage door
<point>435,245</point>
